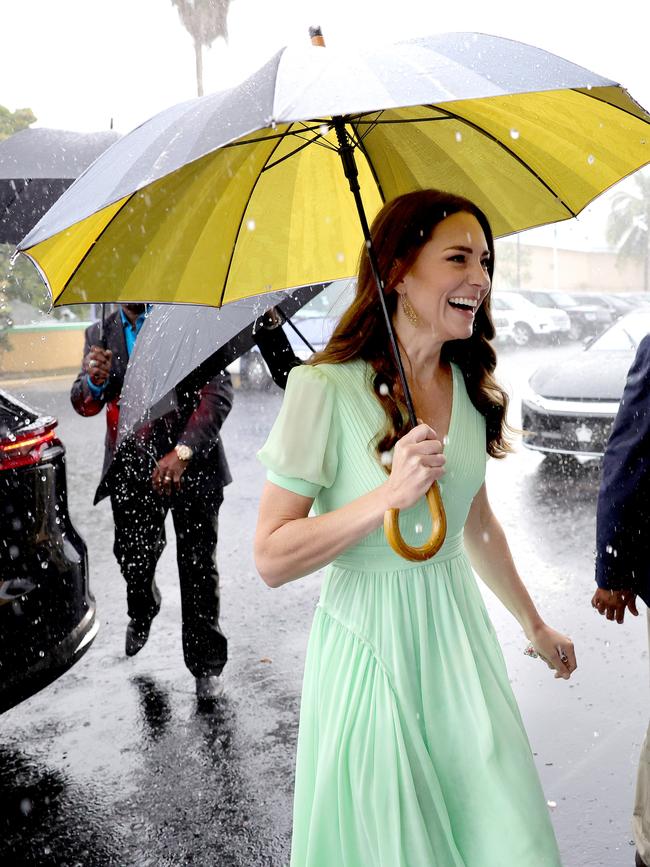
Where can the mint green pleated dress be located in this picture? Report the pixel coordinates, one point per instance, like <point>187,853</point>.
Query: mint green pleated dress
<point>411,748</point>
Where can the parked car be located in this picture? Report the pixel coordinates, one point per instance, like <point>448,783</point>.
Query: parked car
<point>504,325</point>
<point>315,322</point>
<point>616,305</point>
<point>526,320</point>
<point>571,403</point>
<point>47,612</point>
<point>587,320</point>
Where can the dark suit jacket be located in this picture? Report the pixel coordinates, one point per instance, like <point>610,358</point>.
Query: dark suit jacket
<point>202,409</point>
<point>623,519</point>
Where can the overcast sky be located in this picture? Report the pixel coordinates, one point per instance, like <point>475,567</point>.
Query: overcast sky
<point>80,63</point>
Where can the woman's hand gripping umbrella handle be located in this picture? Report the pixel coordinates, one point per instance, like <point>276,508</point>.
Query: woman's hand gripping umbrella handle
<point>438,529</point>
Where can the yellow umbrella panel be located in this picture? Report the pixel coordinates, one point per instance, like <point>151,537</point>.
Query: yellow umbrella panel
<point>272,210</point>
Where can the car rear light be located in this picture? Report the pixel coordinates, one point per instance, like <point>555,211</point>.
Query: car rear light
<point>26,447</point>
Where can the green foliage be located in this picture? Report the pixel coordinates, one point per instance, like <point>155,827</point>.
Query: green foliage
<point>14,121</point>
<point>21,282</point>
<point>5,320</point>
<point>628,224</point>
<point>513,262</point>
<point>205,21</point>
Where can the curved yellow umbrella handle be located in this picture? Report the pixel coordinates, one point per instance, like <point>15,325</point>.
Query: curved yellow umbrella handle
<point>438,529</point>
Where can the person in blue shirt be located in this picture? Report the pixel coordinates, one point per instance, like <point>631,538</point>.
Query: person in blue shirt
<point>176,463</point>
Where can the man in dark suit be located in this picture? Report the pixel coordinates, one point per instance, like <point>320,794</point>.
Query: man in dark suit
<point>173,463</point>
<point>623,541</point>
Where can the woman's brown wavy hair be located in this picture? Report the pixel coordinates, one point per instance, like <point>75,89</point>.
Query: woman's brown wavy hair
<point>399,231</point>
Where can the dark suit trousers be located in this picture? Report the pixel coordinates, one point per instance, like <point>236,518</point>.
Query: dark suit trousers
<point>139,514</point>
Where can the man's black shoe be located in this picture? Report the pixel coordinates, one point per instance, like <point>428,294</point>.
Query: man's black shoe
<point>137,634</point>
<point>638,861</point>
<point>208,688</point>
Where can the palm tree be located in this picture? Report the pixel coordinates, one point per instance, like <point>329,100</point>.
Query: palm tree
<point>628,224</point>
<point>205,21</point>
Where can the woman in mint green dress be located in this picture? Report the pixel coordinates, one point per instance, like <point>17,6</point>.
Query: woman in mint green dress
<point>411,750</point>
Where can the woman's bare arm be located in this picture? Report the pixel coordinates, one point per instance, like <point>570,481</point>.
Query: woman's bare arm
<point>490,556</point>
<point>289,544</point>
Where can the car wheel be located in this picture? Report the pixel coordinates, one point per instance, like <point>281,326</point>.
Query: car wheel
<point>575,332</point>
<point>522,334</point>
<point>253,372</point>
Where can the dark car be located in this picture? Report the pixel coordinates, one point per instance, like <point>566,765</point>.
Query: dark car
<point>47,613</point>
<point>616,305</point>
<point>587,320</point>
<point>571,404</point>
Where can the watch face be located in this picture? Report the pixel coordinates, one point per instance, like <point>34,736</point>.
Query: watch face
<point>184,452</point>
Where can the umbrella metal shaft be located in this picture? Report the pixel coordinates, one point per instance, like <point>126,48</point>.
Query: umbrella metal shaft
<point>346,152</point>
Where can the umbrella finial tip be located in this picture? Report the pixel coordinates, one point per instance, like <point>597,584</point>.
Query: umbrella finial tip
<point>316,35</point>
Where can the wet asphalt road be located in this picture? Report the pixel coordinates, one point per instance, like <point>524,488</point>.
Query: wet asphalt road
<point>114,764</point>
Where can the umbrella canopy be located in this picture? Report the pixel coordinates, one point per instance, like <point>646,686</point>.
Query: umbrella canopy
<point>36,167</point>
<point>242,192</point>
<point>181,340</point>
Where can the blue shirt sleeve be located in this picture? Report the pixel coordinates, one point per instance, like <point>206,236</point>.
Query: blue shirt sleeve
<point>95,390</point>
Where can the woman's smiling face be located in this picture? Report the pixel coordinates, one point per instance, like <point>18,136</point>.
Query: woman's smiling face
<point>449,279</point>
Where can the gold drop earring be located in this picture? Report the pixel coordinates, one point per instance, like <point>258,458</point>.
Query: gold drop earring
<point>409,311</point>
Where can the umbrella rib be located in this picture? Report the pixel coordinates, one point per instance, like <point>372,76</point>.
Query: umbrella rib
<point>297,150</point>
<point>279,135</point>
<point>591,95</point>
<point>360,144</point>
<point>92,246</point>
<point>243,213</point>
<point>509,151</point>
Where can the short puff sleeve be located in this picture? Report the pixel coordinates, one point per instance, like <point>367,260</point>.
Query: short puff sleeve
<point>300,453</point>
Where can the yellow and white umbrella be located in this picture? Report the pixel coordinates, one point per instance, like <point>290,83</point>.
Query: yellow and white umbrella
<point>242,192</point>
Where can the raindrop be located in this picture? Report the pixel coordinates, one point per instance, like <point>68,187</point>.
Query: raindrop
<point>458,136</point>
<point>41,653</point>
<point>44,565</point>
<point>514,134</point>
<point>323,129</point>
<point>596,734</point>
<point>14,551</point>
<point>551,804</point>
<point>250,225</point>
<point>418,529</point>
<point>591,159</point>
<point>486,537</point>
<point>384,390</point>
<point>386,459</point>
<point>445,440</point>
<point>25,806</point>
<point>340,257</point>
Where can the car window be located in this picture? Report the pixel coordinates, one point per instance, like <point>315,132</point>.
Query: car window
<point>518,301</point>
<point>563,300</point>
<point>540,299</point>
<point>330,303</point>
<point>624,335</point>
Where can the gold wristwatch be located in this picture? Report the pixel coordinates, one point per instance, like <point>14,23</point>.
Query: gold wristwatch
<point>184,452</point>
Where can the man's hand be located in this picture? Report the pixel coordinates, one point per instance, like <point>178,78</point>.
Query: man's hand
<point>612,603</point>
<point>166,478</point>
<point>98,364</point>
